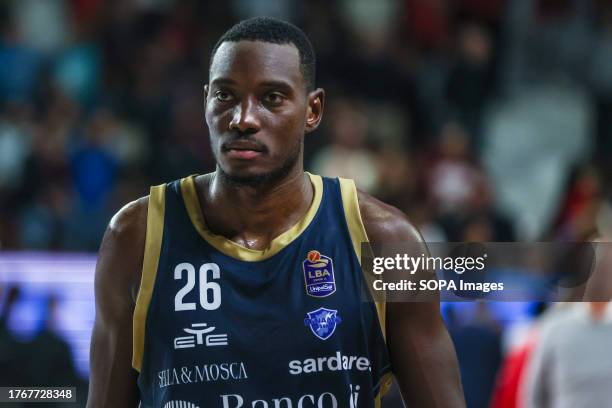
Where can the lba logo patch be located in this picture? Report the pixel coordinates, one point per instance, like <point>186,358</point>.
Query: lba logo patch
<point>319,274</point>
<point>322,322</point>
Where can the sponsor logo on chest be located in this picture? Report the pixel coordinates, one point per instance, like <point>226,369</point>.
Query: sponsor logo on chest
<point>323,400</point>
<point>202,373</point>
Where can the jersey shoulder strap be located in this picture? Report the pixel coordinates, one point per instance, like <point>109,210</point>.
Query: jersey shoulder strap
<point>352,214</point>
<point>359,238</point>
<point>153,243</point>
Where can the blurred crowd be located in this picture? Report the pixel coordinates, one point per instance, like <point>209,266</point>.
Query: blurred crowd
<point>46,359</point>
<point>483,120</point>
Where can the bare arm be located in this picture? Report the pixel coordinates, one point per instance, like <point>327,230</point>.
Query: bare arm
<point>113,380</point>
<point>422,354</point>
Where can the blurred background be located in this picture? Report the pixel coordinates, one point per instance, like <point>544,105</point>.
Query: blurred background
<point>483,120</point>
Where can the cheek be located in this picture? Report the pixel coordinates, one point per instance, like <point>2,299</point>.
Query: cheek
<point>215,120</point>
<point>291,130</point>
<point>208,117</point>
<point>292,121</point>
<point>297,127</point>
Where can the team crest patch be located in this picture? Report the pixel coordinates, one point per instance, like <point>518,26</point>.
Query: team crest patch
<point>322,322</point>
<point>319,274</point>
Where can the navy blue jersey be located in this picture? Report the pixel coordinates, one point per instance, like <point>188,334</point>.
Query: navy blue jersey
<point>218,325</point>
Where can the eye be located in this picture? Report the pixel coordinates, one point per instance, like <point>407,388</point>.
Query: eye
<point>274,98</point>
<point>223,96</point>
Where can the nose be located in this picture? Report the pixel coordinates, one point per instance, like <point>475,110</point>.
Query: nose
<point>244,117</point>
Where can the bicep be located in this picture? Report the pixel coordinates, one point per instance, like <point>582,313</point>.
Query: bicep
<point>112,378</point>
<point>422,355</point>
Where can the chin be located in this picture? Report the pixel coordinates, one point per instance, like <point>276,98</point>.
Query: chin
<point>254,178</point>
<point>250,177</point>
<point>256,174</point>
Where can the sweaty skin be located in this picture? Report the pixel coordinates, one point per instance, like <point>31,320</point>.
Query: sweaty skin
<point>258,110</point>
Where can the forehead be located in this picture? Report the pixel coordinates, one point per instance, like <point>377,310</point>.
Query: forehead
<point>257,61</point>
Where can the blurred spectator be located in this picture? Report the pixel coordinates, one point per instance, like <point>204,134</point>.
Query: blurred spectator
<point>453,177</point>
<point>187,147</point>
<point>478,347</point>
<point>398,177</point>
<point>43,223</point>
<point>20,66</point>
<point>604,219</point>
<point>533,141</point>
<point>76,72</point>
<point>48,160</point>
<point>517,353</point>
<point>599,77</point>
<point>570,366</point>
<point>46,360</point>
<point>43,25</point>
<point>347,155</point>
<point>470,81</point>
<point>479,222</point>
<point>51,354</point>
<point>422,215</point>
<point>15,144</point>
<point>93,164</point>
<point>578,211</point>
<point>11,350</point>
<point>427,23</point>
<point>273,8</point>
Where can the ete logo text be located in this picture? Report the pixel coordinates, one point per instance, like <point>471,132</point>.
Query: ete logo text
<point>197,337</point>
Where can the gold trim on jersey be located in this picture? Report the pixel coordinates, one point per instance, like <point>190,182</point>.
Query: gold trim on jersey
<point>350,203</point>
<point>359,235</point>
<point>155,230</point>
<point>386,381</point>
<point>229,247</point>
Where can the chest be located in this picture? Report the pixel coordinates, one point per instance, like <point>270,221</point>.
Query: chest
<point>311,297</point>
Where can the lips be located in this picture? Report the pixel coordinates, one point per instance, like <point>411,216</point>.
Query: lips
<point>243,149</point>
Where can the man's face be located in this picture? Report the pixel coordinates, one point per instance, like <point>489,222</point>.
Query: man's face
<point>258,109</point>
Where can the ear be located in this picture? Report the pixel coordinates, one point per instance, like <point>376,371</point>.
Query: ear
<point>205,104</point>
<point>314,112</point>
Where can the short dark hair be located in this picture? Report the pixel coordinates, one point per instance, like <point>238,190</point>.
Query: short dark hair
<point>273,30</point>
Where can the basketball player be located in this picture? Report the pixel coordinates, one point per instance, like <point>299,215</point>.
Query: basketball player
<point>241,288</point>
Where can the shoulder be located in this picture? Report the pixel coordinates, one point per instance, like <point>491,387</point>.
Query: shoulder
<point>561,319</point>
<point>131,219</point>
<point>385,223</point>
<point>122,250</point>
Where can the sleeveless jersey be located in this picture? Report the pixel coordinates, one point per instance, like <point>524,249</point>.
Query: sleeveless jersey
<point>218,325</point>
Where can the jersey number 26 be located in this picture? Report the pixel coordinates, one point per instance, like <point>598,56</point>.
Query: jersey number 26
<point>210,292</point>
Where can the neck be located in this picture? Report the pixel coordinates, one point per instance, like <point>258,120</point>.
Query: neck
<point>254,215</point>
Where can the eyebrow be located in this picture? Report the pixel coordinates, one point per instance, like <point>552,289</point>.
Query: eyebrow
<point>222,81</point>
<point>276,84</point>
<point>272,83</point>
